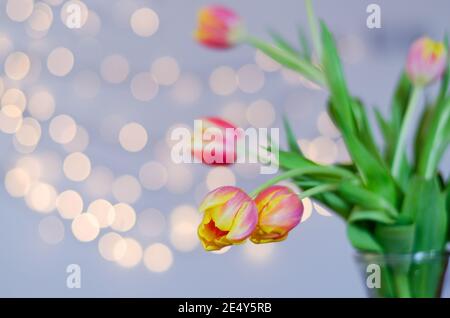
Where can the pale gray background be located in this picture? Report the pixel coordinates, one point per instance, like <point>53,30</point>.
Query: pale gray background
<point>315,261</point>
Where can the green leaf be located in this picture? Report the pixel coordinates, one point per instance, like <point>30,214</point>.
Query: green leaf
<point>364,129</point>
<point>283,44</point>
<point>436,140</point>
<point>370,215</point>
<point>384,126</point>
<point>362,239</point>
<point>335,203</point>
<point>292,160</point>
<point>292,140</point>
<point>340,98</point>
<point>447,191</point>
<point>304,45</point>
<point>366,199</point>
<point>289,60</point>
<point>446,78</point>
<point>400,102</point>
<point>422,130</point>
<point>375,175</point>
<point>396,239</point>
<point>425,204</point>
<point>391,128</point>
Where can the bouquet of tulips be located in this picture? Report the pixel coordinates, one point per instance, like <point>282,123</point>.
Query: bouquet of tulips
<point>396,208</point>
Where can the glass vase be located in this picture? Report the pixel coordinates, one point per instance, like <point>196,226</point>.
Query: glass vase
<point>418,275</point>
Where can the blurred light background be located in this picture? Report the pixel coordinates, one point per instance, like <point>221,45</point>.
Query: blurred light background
<point>85,121</point>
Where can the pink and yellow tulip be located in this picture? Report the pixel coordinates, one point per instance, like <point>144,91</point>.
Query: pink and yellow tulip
<point>219,142</point>
<point>427,61</point>
<point>230,217</point>
<point>280,210</point>
<point>218,27</point>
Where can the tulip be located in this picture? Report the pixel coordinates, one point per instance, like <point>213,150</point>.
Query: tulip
<point>280,210</point>
<point>230,217</point>
<point>218,144</point>
<point>218,27</point>
<point>427,61</point>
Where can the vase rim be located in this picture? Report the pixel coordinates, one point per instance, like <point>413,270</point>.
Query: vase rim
<point>419,255</point>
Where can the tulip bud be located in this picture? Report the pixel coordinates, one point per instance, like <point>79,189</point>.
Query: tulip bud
<point>280,210</point>
<point>218,27</point>
<point>230,216</point>
<point>427,61</point>
<point>218,144</point>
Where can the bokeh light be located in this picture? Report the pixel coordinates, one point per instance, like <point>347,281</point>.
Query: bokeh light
<point>62,129</point>
<point>261,114</point>
<point>265,62</point>
<point>125,217</point>
<point>19,10</point>
<point>180,179</point>
<point>144,87</point>
<point>79,143</point>
<point>51,230</point>
<point>41,105</point>
<point>42,18</point>
<point>77,167</point>
<point>41,197</point>
<point>187,90</point>
<point>165,70</point>
<point>132,255</point>
<point>85,227</point>
<point>60,61</point>
<point>98,184</point>
<point>69,204</point>
<point>184,221</point>
<point>220,176</point>
<point>144,22</point>
<point>29,133</point>
<point>17,66</point>
<point>112,246</point>
<point>32,166</point>
<point>322,210</point>
<point>17,182</point>
<point>10,119</point>
<point>126,189</point>
<point>153,175</point>
<point>326,126</point>
<point>114,69</point>
<point>158,258</point>
<point>234,112</point>
<point>259,253</point>
<point>307,209</point>
<point>250,78</point>
<point>322,150</point>
<point>133,137</point>
<point>151,222</point>
<point>103,211</point>
<point>223,81</point>
<point>16,97</point>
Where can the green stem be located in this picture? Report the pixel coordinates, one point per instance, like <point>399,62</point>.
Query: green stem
<point>402,285</point>
<point>314,27</point>
<point>317,190</point>
<point>401,143</point>
<point>289,60</point>
<point>331,171</point>
<point>434,145</point>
